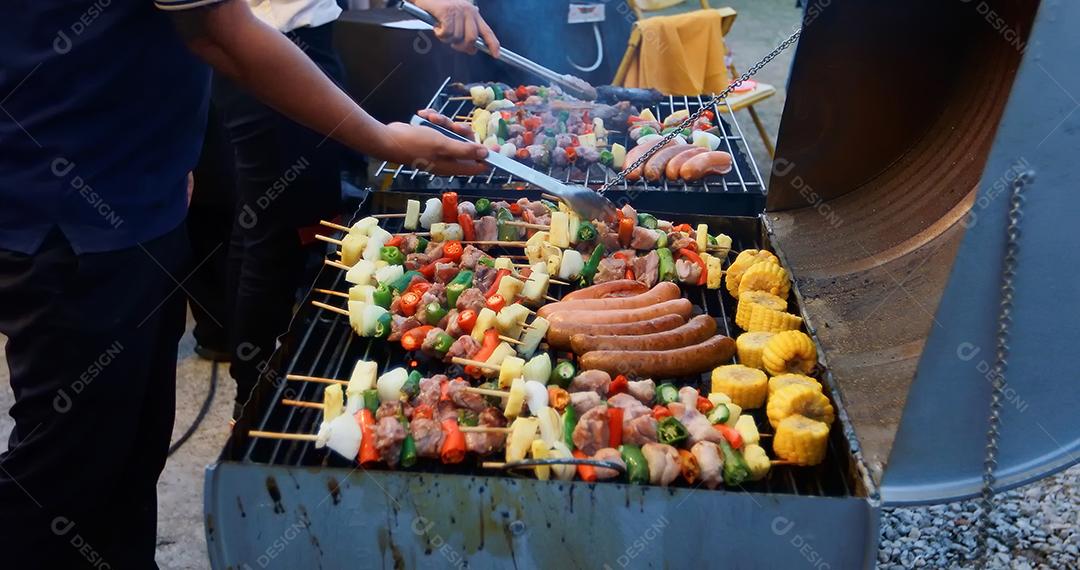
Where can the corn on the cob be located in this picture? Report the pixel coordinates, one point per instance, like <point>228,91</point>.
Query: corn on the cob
<point>801,440</point>
<point>757,461</point>
<point>777,382</point>
<point>799,399</point>
<point>750,347</point>
<point>748,300</point>
<point>746,386</point>
<point>766,319</point>
<point>768,277</point>
<point>789,352</point>
<point>746,259</point>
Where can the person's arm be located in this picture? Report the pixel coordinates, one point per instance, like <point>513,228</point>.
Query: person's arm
<point>232,40</point>
<point>460,24</point>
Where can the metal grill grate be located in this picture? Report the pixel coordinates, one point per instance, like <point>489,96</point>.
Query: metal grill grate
<point>744,178</point>
<point>328,348</point>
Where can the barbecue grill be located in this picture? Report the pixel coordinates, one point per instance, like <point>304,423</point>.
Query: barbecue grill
<point>737,193</point>
<point>893,227</point>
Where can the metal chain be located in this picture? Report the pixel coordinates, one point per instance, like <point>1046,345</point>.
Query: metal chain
<point>1001,363</point>
<point>621,176</point>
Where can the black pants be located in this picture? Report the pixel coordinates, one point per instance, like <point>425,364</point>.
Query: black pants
<point>92,352</point>
<point>287,177</point>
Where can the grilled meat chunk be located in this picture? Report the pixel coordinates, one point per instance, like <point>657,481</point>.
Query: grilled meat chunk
<point>591,433</point>
<point>663,463</point>
<point>591,380</point>
<point>389,433</point>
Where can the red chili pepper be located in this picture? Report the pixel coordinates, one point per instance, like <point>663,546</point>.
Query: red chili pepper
<point>626,230</point>
<point>423,411</point>
<point>659,412</point>
<point>522,154</point>
<point>453,446</point>
<point>491,341</point>
<point>731,435</point>
<point>418,286</point>
<point>413,338</point>
<point>522,91</point>
<point>505,115</point>
<point>629,263</point>
<point>466,320</point>
<point>409,302</point>
<point>395,241</point>
<point>704,405</point>
<point>368,452</point>
<point>467,228</point>
<point>528,137</point>
<point>533,123</point>
<point>452,250</point>
<point>619,385</point>
<point>587,472</point>
<point>495,302</point>
<point>693,256</point>
<point>429,269</point>
<point>495,284</point>
<point>708,114</point>
<point>515,209</point>
<point>685,228</point>
<point>571,153</point>
<point>633,119</point>
<point>449,207</point>
<point>615,416</point>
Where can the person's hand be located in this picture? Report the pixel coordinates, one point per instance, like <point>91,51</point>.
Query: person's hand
<point>427,149</point>
<point>463,129</point>
<point>460,24</point>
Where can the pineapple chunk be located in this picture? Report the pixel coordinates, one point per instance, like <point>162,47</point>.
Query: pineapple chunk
<point>540,451</point>
<point>480,124</point>
<point>484,321</point>
<point>333,402</point>
<point>534,247</point>
<point>512,367</point>
<point>352,247</point>
<point>757,461</point>
<point>504,263</point>
<point>647,115</point>
<point>361,293</point>
<point>701,235</point>
<point>536,287</point>
<point>533,336</point>
<point>560,230</point>
<point>747,428</point>
<point>588,139</point>
<point>714,271</point>
<point>522,431</point>
<point>500,353</point>
<point>575,225</point>
<point>363,378</point>
<point>361,273</point>
<point>412,214</point>
<point>510,288</point>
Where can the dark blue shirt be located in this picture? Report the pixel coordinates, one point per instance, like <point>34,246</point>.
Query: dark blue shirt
<point>102,111</point>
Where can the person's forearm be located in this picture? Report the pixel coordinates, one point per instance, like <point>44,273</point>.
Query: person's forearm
<point>263,61</point>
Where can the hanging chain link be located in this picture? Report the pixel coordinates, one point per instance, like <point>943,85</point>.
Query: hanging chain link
<point>716,100</point>
<point>1001,363</point>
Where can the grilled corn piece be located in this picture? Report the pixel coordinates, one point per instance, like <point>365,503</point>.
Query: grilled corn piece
<point>766,319</point>
<point>746,259</point>
<point>748,300</point>
<point>757,461</point>
<point>750,347</point>
<point>777,382</point>
<point>801,400</point>
<point>768,277</point>
<point>801,440</point>
<point>746,386</point>
<point>789,352</point>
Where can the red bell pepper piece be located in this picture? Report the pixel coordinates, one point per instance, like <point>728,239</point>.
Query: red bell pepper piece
<point>449,207</point>
<point>704,405</point>
<point>684,228</point>
<point>731,435</point>
<point>423,411</point>
<point>693,256</point>
<point>444,391</point>
<point>522,154</point>
<point>515,209</point>
<point>452,250</point>
<point>626,230</point>
<point>495,283</point>
<point>522,92</point>
<point>468,229</point>
<point>429,269</point>
<point>395,241</point>
<point>466,320</point>
<point>660,412</point>
<point>571,153</point>
<point>413,338</point>
<point>708,114</point>
<point>409,302</point>
<point>619,385</point>
<point>615,417</point>
<point>587,472</point>
<point>629,263</point>
<point>495,302</point>
<point>528,137</point>
<point>453,446</point>
<point>491,340</point>
<point>368,452</point>
<point>633,119</point>
<point>533,123</point>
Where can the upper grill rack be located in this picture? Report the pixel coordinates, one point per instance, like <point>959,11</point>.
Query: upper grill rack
<point>744,178</point>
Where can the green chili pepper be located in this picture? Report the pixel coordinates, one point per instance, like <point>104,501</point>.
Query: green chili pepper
<point>646,131</point>
<point>453,291</point>
<point>402,283</point>
<point>563,373</point>
<point>736,471</point>
<point>589,271</point>
<point>421,244</point>
<point>712,240</point>
<point>564,115</point>
<point>667,264</point>
<point>666,393</point>
<point>483,206</point>
<point>486,262</point>
<point>586,232</point>
<point>492,400</point>
<point>383,296</point>
<point>550,205</point>
<point>464,277</point>
<point>661,239</point>
<point>637,469</point>
<point>569,419</point>
<point>443,342</point>
<point>467,418</point>
<point>506,233</point>
<point>408,451</point>
<point>720,414</point>
<point>671,431</point>
<point>550,133</point>
<point>384,325</point>
<point>606,158</point>
<point>411,387</point>
<point>434,313</point>
<point>503,132</point>
<point>542,91</point>
<point>391,255</point>
<point>498,92</point>
<point>646,221</point>
<point>371,400</point>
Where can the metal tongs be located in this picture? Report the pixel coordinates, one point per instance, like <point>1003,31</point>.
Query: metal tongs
<point>572,85</point>
<point>589,204</point>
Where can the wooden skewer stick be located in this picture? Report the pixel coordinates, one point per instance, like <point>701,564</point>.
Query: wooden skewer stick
<point>555,281</point>
<point>496,242</point>
<point>331,308</point>
<point>331,292</point>
<point>488,392</point>
<point>493,465</point>
<point>516,256</point>
<point>417,234</point>
<point>462,117</point>
<point>460,98</point>
<point>782,462</point>
<point>476,363</point>
<point>527,225</point>
<point>298,377</point>
<point>337,264</point>
<point>381,216</point>
<point>278,435</point>
<point>550,298</point>
<point>328,239</point>
<point>335,226</point>
<point>483,429</point>
<point>302,404</point>
<point>510,340</point>
<point>551,197</point>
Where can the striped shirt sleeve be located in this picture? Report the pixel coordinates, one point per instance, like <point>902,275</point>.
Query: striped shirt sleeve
<point>177,5</point>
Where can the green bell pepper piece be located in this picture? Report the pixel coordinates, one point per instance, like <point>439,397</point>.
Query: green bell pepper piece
<point>586,232</point>
<point>443,342</point>
<point>371,400</point>
<point>661,239</point>
<point>383,296</point>
<point>486,262</point>
<point>666,393</point>
<point>492,400</point>
<point>736,471</point>
<point>464,277</point>
<point>646,131</point>
<point>506,233</point>
<point>542,91</point>
<point>453,291</point>
<point>391,255</point>
<point>400,284</point>
<point>411,387</point>
<point>593,264</point>
<point>408,452</point>
<point>646,221</point>
<point>550,205</point>
<point>503,132</point>
<point>384,325</point>
<point>569,420</point>
<point>563,373</point>
<point>483,206</point>
<point>606,158</point>
<point>667,264</point>
<point>637,469</point>
<point>671,431</point>
<point>421,244</point>
<point>720,414</point>
<point>434,313</point>
<point>498,92</point>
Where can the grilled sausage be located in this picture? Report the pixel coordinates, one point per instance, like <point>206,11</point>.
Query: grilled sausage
<point>654,168</point>
<point>673,165</point>
<point>698,329</point>
<point>634,154</point>
<point>686,361</point>
<point>681,307</point>
<point>617,288</point>
<point>697,167</point>
<point>664,291</point>
<point>559,337</point>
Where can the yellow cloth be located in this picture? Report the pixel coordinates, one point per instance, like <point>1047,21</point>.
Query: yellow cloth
<point>681,54</point>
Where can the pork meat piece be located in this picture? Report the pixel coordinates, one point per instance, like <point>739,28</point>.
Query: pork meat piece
<point>644,238</point>
<point>471,254</point>
<point>486,443</point>
<point>487,229</point>
<point>445,410</point>
<point>610,240</point>
<point>516,129</point>
<point>687,271</point>
<point>483,278</point>
<point>584,401</point>
<point>389,433</point>
<point>471,298</point>
<point>428,345</point>
<point>415,261</point>
<point>400,325</point>
<point>591,433</point>
<point>463,347</point>
<point>445,272</point>
<point>588,154</point>
<point>536,207</point>
<point>679,240</point>
<point>630,405</point>
<point>434,250</point>
<point>430,390</point>
<point>559,156</point>
<point>435,294</point>
<point>709,461</point>
<point>647,268</point>
<point>643,390</point>
<point>640,430</point>
<point>593,381</point>
<point>428,437</point>
<point>611,455</point>
<point>697,425</point>
<point>629,212</point>
<point>408,242</point>
<point>610,269</point>
<point>663,463</point>
<point>466,207</point>
<point>463,399</point>
<point>452,327</point>
<point>387,410</point>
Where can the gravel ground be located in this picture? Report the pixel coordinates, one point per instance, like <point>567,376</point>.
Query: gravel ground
<point>1030,529</point>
